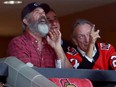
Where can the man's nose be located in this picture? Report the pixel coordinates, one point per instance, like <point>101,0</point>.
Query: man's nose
<point>42,14</point>
<point>87,39</point>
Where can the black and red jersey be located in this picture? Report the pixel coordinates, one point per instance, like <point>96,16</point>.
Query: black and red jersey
<point>104,59</point>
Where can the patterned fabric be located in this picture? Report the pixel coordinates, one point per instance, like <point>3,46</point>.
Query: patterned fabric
<point>71,82</point>
<point>26,49</point>
<point>104,59</point>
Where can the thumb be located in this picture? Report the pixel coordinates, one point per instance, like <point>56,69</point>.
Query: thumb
<point>48,39</point>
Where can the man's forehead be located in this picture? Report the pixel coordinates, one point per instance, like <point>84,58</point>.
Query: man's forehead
<point>51,15</point>
<point>83,28</point>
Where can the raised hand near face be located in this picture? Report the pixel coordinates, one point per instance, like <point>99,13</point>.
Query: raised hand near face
<point>94,35</point>
<point>54,38</point>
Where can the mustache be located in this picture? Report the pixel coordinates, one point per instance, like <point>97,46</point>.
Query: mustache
<point>42,19</point>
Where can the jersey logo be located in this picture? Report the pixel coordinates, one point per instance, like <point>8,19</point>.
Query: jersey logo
<point>66,83</point>
<point>104,46</point>
<point>72,51</point>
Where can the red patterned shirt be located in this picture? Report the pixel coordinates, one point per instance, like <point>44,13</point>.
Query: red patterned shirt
<point>26,49</point>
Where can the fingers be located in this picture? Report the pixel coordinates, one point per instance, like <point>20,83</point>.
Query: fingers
<point>95,33</point>
<point>48,38</point>
<point>54,38</point>
<point>54,34</point>
<point>93,28</point>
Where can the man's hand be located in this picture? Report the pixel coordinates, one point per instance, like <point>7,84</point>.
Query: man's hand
<point>54,38</point>
<point>94,35</point>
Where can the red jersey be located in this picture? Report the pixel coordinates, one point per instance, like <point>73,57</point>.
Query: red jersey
<point>104,59</point>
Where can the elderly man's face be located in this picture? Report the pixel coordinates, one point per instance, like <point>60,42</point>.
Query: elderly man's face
<point>53,20</point>
<point>38,23</point>
<point>37,13</point>
<point>82,36</point>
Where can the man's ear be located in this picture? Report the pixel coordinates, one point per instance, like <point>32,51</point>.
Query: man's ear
<point>74,41</point>
<point>25,21</point>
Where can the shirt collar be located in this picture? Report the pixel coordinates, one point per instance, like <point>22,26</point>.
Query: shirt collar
<point>33,40</point>
<point>84,53</point>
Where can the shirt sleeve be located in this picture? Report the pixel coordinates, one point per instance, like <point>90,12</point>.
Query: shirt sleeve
<point>112,58</point>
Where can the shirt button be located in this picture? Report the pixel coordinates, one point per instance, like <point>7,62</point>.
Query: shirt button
<point>36,41</point>
<point>37,48</point>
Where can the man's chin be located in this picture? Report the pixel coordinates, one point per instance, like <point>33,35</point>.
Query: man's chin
<point>84,49</point>
<point>43,34</point>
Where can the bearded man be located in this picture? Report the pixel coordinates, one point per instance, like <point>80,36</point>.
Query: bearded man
<point>37,45</point>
